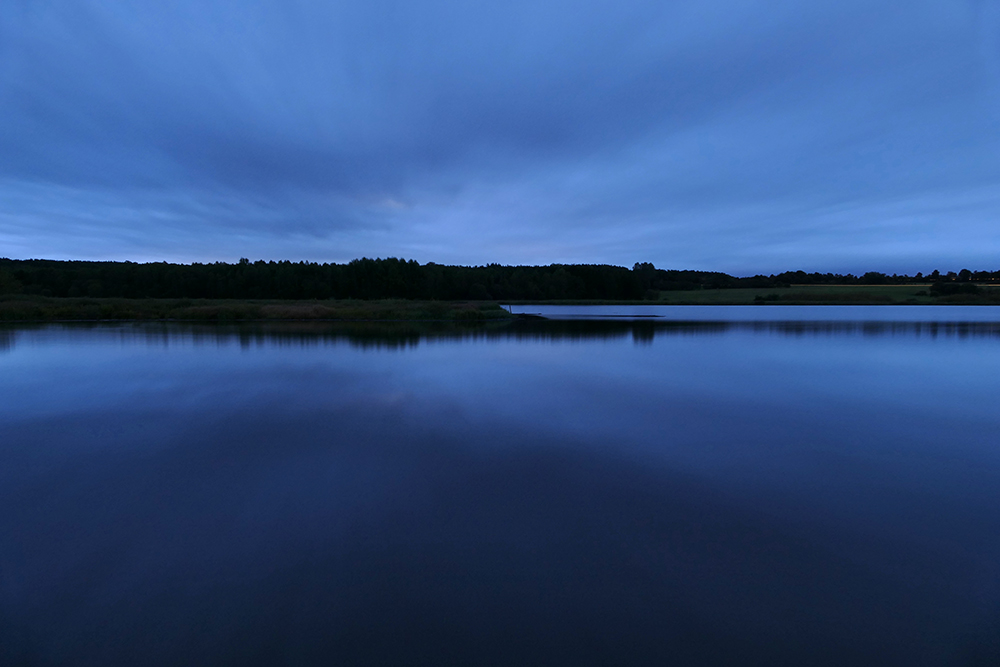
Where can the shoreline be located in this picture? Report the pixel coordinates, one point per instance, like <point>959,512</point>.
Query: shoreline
<point>37,308</point>
<point>23,308</point>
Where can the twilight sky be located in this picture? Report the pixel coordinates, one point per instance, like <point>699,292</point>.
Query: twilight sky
<point>735,135</point>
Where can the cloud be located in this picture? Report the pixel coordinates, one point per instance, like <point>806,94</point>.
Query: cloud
<point>521,131</point>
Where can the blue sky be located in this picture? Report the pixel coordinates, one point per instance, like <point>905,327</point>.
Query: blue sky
<point>732,135</point>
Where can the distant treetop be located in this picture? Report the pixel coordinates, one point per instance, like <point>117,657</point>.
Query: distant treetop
<point>407,279</point>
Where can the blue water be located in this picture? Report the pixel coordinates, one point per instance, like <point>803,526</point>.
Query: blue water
<point>770,492</point>
<point>770,313</point>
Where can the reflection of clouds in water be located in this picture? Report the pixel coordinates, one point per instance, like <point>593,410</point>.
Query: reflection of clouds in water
<point>389,539</point>
<point>282,494</point>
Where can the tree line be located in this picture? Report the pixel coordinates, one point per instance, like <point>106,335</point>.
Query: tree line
<point>407,279</point>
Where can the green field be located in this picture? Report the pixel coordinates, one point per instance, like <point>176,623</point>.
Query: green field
<point>833,294</point>
<point>809,294</point>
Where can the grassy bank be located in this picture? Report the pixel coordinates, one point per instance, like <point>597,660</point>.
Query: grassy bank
<point>21,308</point>
<point>835,294</point>
<point>25,308</point>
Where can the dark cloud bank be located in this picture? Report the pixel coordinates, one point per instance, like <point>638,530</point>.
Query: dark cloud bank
<point>724,135</point>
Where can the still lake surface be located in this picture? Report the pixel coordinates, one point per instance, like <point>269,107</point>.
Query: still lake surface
<point>806,487</point>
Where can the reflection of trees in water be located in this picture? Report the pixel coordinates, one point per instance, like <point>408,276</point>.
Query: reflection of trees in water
<point>645,331</point>
<point>404,335</point>
<point>6,340</point>
<point>872,329</point>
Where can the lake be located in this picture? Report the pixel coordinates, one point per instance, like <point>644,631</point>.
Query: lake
<point>816,485</point>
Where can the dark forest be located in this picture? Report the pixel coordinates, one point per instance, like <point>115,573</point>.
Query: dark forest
<point>407,279</point>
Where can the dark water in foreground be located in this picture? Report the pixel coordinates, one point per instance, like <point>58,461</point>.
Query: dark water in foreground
<point>552,493</point>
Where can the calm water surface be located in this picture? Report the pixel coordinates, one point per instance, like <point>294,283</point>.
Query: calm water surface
<point>785,491</point>
<point>770,313</point>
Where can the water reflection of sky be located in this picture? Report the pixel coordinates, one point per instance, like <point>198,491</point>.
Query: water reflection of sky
<point>772,313</point>
<point>722,491</point>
